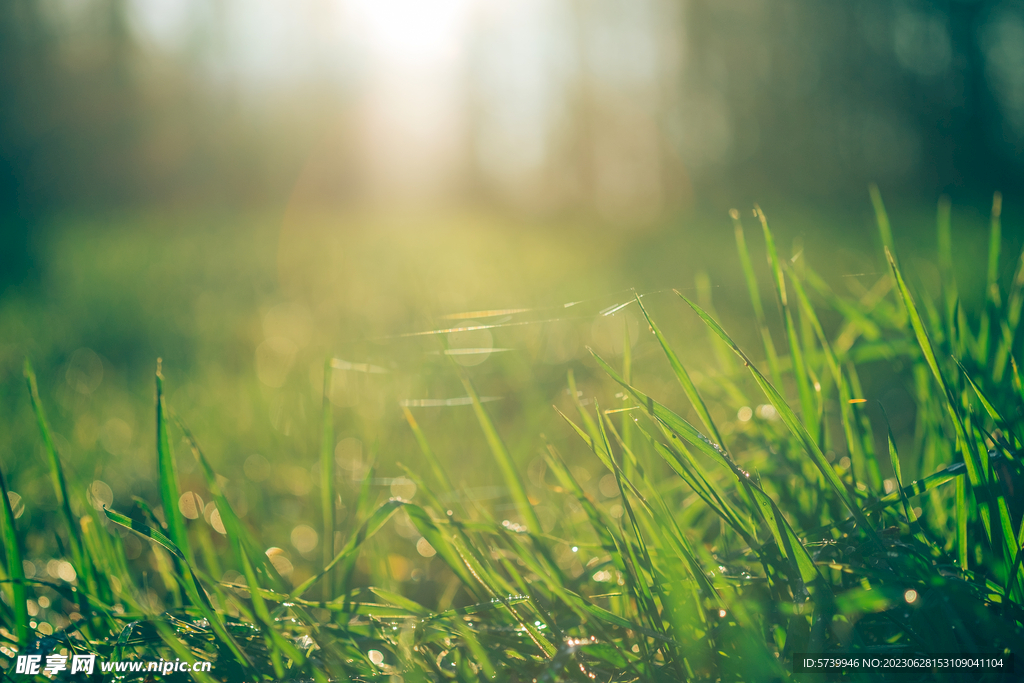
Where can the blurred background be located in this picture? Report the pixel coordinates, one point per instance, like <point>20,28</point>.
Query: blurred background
<point>246,188</point>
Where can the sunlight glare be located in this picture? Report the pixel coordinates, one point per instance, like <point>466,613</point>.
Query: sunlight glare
<point>412,32</point>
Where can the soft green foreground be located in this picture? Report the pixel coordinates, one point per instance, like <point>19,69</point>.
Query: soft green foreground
<point>847,477</point>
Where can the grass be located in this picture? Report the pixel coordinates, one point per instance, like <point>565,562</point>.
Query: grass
<point>771,509</point>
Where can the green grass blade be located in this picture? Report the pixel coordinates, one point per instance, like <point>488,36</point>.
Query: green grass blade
<point>440,475</point>
<point>670,529</point>
<point>627,372</point>
<point>636,548</point>
<point>911,490</point>
<point>596,446</point>
<point>960,505</point>
<point>797,362</point>
<point>60,487</point>
<point>992,297</point>
<point>755,299</point>
<point>437,540</point>
<point>194,589</point>
<point>976,473</point>
<point>603,526</point>
<point>232,525</point>
<point>881,218</point>
<point>683,377</point>
<point>168,474</point>
<point>1013,577</point>
<point>691,472</point>
<point>247,554</point>
<point>15,570</point>
<point>950,296</point>
<point>366,531</point>
<point>853,438</point>
<point>1018,385</point>
<point>671,419</point>
<point>1011,320</point>
<point>502,457</point>
<point>1001,422</point>
<point>894,460</point>
<point>867,434</point>
<point>327,493</point>
<point>796,427</point>
<point>725,360</point>
<point>849,310</point>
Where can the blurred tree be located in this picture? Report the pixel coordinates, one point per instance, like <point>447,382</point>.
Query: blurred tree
<point>617,106</point>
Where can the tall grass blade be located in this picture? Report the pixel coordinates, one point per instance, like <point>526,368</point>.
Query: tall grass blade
<point>240,539</point>
<point>60,487</point>
<point>799,366</point>
<point>725,360</point>
<point>788,542</point>
<point>977,474</point>
<point>669,528</point>
<point>17,600</point>
<point>911,490</point>
<point>429,530</point>
<point>992,297</point>
<point>755,299</point>
<point>881,218</point>
<point>950,296</point>
<point>636,548</point>
<point>440,475</point>
<point>851,312</point>
<point>1010,321</point>
<point>960,505</point>
<point>846,413</point>
<point>502,457</point>
<point>327,493</point>
<point>247,554</point>
<point>683,377</point>
<point>795,426</point>
<point>168,473</point>
<point>894,461</point>
<point>1010,428</point>
<point>196,592</point>
<point>627,372</point>
<point>679,458</point>
<point>366,531</point>
<point>603,526</point>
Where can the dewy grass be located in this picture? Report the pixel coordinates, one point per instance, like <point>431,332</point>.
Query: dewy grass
<point>718,553</point>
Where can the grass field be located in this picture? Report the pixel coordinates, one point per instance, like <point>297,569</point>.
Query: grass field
<point>353,470</point>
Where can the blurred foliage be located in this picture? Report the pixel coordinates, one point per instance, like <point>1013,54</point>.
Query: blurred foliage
<point>111,102</point>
